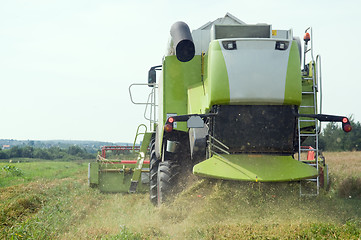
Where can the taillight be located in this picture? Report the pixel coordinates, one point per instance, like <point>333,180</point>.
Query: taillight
<point>347,128</point>
<point>168,127</point>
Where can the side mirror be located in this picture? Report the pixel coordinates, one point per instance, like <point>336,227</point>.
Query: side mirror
<point>152,75</point>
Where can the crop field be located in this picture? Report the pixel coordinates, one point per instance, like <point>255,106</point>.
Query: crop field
<point>52,200</point>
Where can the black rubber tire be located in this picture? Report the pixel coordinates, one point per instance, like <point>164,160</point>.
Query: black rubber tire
<point>153,175</point>
<point>168,174</point>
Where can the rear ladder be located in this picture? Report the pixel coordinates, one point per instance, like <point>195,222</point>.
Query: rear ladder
<point>310,127</point>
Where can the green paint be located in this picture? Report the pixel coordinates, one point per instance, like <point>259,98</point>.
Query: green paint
<point>293,88</point>
<point>114,178</point>
<point>177,78</point>
<point>146,141</point>
<point>197,102</point>
<point>217,76</point>
<point>263,168</point>
<point>114,182</point>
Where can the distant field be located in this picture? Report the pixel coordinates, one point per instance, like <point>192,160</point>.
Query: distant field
<point>61,206</point>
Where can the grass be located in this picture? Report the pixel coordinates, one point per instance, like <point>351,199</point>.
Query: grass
<point>345,172</point>
<point>44,209</point>
<point>65,208</point>
<point>48,205</point>
<point>344,164</point>
<point>32,171</point>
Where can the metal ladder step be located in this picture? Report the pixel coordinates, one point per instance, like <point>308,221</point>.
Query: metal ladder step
<point>307,106</point>
<point>308,135</point>
<point>311,180</point>
<point>312,164</point>
<point>308,150</point>
<point>308,120</point>
<point>309,187</point>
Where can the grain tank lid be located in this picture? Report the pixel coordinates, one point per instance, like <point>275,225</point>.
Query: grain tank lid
<point>241,31</point>
<point>228,19</point>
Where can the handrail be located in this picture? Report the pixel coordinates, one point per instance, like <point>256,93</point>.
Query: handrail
<point>319,79</point>
<point>151,100</point>
<point>137,134</point>
<point>319,85</point>
<point>154,85</point>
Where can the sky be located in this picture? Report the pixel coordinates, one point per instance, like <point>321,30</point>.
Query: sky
<point>66,65</point>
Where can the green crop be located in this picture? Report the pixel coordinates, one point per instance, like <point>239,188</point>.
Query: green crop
<point>12,170</point>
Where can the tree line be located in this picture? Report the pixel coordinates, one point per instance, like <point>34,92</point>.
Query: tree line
<point>52,153</point>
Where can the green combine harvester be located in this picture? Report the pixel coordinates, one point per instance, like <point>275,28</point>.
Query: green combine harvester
<point>231,101</point>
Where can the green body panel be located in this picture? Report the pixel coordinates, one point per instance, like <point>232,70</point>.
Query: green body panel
<point>263,168</point>
<point>186,91</point>
<point>197,100</point>
<point>177,78</point>
<point>216,81</point>
<point>111,181</point>
<point>293,89</point>
<point>93,173</point>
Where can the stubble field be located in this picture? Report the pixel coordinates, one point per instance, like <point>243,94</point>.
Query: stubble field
<point>52,201</point>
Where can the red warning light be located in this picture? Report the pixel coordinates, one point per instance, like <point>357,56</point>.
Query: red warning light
<point>344,120</point>
<point>307,37</point>
<point>347,128</point>
<point>168,127</point>
<point>170,120</point>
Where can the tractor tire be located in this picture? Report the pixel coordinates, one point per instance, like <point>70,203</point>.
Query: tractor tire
<point>153,175</point>
<point>168,174</point>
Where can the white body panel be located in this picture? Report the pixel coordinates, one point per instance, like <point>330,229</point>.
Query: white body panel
<point>256,71</point>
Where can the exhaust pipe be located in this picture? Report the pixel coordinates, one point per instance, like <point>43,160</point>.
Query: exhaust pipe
<point>182,42</point>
